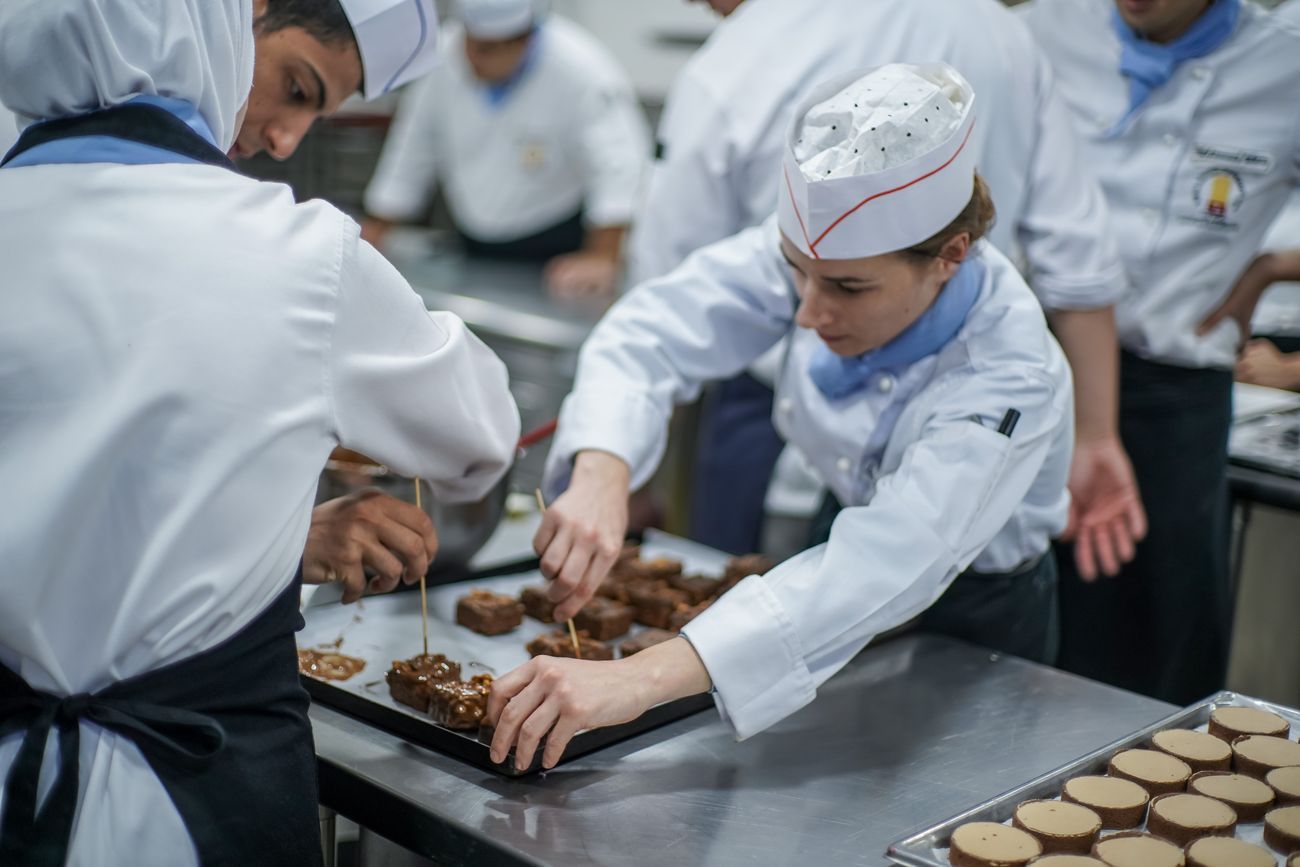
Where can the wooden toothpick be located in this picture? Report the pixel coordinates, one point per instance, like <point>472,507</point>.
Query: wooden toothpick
<point>573,631</point>
<point>424,590</point>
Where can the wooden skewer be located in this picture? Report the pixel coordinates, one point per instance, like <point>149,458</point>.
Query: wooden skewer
<point>573,632</point>
<point>424,590</point>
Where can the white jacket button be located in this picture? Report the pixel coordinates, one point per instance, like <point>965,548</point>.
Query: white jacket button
<point>844,465</point>
<point>885,383</point>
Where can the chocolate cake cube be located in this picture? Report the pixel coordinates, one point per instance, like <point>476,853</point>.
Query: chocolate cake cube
<point>658,569</point>
<point>460,704</point>
<point>655,603</point>
<point>489,613</point>
<point>604,618</point>
<point>696,587</point>
<point>411,681</point>
<point>537,604</point>
<point>648,638</point>
<point>740,568</point>
<point>684,614</point>
<point>558,643</point>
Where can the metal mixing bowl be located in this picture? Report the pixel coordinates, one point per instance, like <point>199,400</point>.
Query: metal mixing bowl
<point>463,528</point>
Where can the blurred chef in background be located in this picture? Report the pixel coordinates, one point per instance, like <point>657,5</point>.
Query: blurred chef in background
<point>720,145</point>
<point>535,137</point>
<point>180,349</point>
<point>917,371</point>
<point>1188,115</point>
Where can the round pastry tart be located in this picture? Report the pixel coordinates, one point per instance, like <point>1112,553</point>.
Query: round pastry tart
<point>1159,773</point>
<point>1247,795</point>
<point>1230,723</point>
<point>1286,783</point>
<point>1228,852</point>
<point>989,844</point>
<point>1181,818</point>
<point>1059,825</point>
<point>1066,861</point>
<point>1282,829</point>
<point>1135,849</point>
<point>1119,803</point>
<point>1256,755</point>
<point>1200,751</point>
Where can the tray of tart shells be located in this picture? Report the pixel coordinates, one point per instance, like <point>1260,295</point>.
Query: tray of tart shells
<point>366,659</point>
<point>1216,784</point>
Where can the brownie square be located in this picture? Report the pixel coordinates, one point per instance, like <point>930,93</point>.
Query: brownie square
<point>655,603</point>
<point>411,681</point>
<point>648,638</point>
<point>613,587</point>
<point>604,618</point>
<point>489,613</point>
<point>459,704</point>
<point>658,569</point>
<point>558,643</point>
<point>740,568</point>
<point>696,587</point>
<point>537,604</point>
<point>684,614</point>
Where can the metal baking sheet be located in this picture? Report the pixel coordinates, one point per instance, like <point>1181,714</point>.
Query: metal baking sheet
<point>929,848</point>
<point>1269,442</point>
<point>384,628</point>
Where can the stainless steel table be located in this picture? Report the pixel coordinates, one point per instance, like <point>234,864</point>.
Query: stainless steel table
<point>909,733</point>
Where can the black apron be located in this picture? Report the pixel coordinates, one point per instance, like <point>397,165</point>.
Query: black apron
<point>225,731</point>
<point>566,236</point>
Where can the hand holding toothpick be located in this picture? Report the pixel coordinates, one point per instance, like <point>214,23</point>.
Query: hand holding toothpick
<point>573,632</point>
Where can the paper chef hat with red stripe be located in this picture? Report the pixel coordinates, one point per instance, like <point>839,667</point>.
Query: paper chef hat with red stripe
<point>878,162</point>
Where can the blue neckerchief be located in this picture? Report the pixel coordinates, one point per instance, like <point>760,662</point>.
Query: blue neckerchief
<point>497,93</point>
<point>106,149</point>
<point>838,377</point>
<point>1148,65</point>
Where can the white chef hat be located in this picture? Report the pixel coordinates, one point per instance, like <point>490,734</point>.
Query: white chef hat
<point>878,162</point>
<point>398,40</point>
<point>500,19</point>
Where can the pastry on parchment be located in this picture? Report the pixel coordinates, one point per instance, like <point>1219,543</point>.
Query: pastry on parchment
<point>990,844</point>
<point>1135,849</point>
<point>1230,723</point>
<point>1059,825</point>
<point>1120,803</point>
<point>1201,751</point>
<point>1247,795</point>
<point>1227,852</point>
<point>1159,773</point>
<point>1181,818</point>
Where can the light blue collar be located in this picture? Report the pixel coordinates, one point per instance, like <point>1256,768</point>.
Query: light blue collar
<point>498,93</point>
<point>107,149</point>
<point>838,377</point>
<point>1149,65</point>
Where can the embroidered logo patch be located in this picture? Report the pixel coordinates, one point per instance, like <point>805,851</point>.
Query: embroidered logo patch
<point>1218,194</point>
<point>1241,160</point>
<point>532,156</point>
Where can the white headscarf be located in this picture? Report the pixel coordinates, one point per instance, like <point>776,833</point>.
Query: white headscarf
<point>67,57</point>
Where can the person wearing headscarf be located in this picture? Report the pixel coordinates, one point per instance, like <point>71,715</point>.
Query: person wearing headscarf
<point>917,373</point>
<point>533,133</point>
<point>181,348</point>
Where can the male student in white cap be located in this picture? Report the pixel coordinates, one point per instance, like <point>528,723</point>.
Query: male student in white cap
<point>721,139</point>
<point>535,137</point>
<point>1188,115</point>
<point>874,271</point>
<point>168,395</point>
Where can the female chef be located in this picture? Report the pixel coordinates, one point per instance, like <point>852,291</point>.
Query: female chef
<point>919,375</point>
<point>180,349</point>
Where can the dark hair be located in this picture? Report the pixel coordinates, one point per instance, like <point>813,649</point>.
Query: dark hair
<point>976,219</point>
<point>322,19</point>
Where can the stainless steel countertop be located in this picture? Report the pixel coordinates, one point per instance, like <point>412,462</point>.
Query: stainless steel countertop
<point>911,732</point>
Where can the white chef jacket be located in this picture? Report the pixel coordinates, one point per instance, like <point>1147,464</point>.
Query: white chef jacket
<point>180,349</point>
<point>724,125</point>
<point>8,131</point>
<point>1198,178</point>
<point>939,493</point>
<point>1289,13</point>
<point>569,135</point>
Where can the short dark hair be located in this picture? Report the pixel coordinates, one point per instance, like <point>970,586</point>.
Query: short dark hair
<point>323,19</point>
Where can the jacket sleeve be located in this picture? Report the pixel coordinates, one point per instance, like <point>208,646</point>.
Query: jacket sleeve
<point>1064,230</point>
<point>660,343</point>
<point>405,178</point>
<point>771,641</point>
<point>416,390</point>
<point>689,202</point>
<point>615,141</point>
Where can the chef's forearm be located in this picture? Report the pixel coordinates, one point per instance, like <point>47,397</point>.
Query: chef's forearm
<point>605,241</point>
<point>669,671</point>
<point>1090,343</point>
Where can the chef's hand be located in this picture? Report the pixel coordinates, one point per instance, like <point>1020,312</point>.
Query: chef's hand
<point>556,698</point>
<point>582,532</point>
<point>582,275</point>
<point>1240,304</point>
<point>1262,363</point>
<point>375,231</point>
<point>367,530</point>
<point>1106,515</point>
